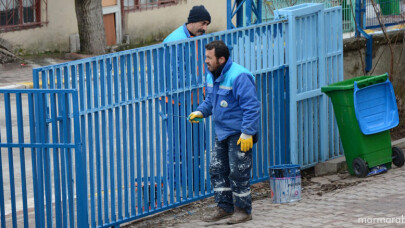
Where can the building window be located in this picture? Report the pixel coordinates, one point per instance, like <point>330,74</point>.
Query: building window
<point>133,5</point>
<point>20,14</point>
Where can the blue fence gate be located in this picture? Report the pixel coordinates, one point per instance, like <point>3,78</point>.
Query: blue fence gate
<point>40,155</point>
<point>113,127</point>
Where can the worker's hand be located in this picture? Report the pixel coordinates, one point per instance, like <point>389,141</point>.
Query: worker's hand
<point>246,142</point>
<point>195,117</point>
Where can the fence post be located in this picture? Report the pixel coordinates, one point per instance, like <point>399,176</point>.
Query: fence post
<point>359,19</point>
<point>322,82</point>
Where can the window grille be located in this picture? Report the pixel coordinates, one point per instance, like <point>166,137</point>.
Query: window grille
<point>20,14</point>
<point>135,5</point>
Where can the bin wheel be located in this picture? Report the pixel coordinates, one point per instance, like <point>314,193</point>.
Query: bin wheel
<point>397,157</point>
<point>360,167</point>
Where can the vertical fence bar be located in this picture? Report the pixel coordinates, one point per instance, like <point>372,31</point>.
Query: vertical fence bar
<point>124,75</point>
<point>40,132</point>
<point>182,121</point>
<point>138,133</point>
<point>151,187</point>
<point>20,125</point>
<point>158,62</point>
<point>111,138</point>
<point>194,84</point>
<point>82,107</point>
<point>9,133</point>
<point>89,93</point>
<point>97,139</point>
<point>32,125</point>
<point>189,127</point>
<point>54,119</point>
<point>80,158</point>
<point>164,72</point>
<point>2,211</point>
<point>200,67</point>
<point>39,180</point>
<point>321,72</point>
<point>46,155</point>
<point>145,182</point>
<point>103,103</point>
<point>62,137</point>
<point>131,133</point>
<point>176,133</point>
<point>169,109</point>
<point>70,177</point>
<point>258,65</point>
<point>117,111</point>
<point>64,107</point>
<point>157,115</point>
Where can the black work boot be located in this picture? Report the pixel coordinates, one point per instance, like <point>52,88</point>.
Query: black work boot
<point>216,214</point>
<point>239,216</point>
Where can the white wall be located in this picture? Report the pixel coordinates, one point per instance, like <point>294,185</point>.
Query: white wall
<point>154,25</point>
<point>147,25</point>
<point>53,36</point>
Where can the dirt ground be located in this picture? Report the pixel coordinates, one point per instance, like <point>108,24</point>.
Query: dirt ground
<point>399,131</point>
<point>311,186</point>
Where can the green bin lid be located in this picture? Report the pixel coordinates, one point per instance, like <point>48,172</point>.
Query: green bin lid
<point>362,81</point>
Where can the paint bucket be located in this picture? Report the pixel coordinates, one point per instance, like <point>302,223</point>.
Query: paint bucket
<point>285,183</point>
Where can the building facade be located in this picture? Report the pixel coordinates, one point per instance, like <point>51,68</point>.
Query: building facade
<point>37,26</point>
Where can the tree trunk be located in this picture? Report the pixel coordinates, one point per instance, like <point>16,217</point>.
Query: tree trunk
<point>89,15</point>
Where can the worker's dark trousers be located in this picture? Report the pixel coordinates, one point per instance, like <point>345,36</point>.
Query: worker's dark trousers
<point>230,174</point>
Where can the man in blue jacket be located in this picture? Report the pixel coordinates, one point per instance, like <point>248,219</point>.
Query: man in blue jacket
<point>197,23</point>
<point>232,101</point>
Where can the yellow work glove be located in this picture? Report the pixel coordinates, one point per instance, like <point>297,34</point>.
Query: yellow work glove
<point>195,117</point>
<point>246,142</point>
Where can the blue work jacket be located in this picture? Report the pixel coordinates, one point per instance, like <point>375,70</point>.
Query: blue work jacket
<point>232,101</point>
<point>179,34</point>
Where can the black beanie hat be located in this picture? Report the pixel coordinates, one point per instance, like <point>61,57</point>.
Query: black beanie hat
<point>198,13</point>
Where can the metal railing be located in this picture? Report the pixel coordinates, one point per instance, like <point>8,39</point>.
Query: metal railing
<point>391,12</point>
<point>269,6</point>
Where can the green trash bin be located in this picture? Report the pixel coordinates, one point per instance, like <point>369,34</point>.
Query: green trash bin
<point>361,151</point>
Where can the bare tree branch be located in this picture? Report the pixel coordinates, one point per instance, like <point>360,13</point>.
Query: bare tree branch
<point>384,30</point>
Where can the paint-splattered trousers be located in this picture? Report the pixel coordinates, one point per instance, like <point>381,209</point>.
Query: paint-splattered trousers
<point>230,170</point>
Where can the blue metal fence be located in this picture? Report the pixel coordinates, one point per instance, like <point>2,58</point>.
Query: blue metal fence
<point>139,155</point>
<point>132,105</point>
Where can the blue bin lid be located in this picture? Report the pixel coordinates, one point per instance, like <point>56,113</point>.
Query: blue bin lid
<point>375,107</point>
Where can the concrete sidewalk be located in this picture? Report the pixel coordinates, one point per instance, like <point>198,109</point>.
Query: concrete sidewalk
<point>337,200</point>
<point>19,76</point>
<point>330,201</point>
